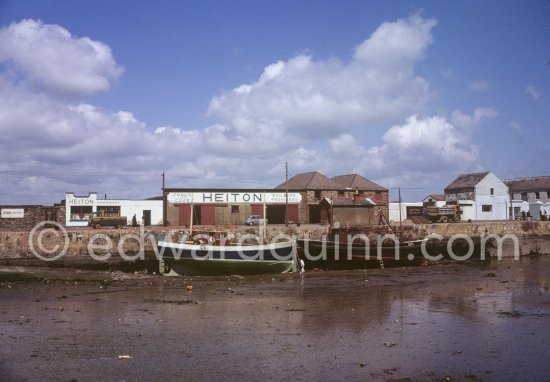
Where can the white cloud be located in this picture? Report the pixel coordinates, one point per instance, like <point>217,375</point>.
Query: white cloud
<point>306,98</point>
<point>479,86</point>
<point>428,143</point>
<point>533,92</point>
<point>315,114</point>
<point>345,145</point>
<point>49,56</point>
<point>517,129</point>
<point>416,152</point>
<point>468,124</point>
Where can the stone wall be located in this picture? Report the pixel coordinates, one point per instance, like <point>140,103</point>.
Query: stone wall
<point>455,197</point>
<point>32,216</point>
<point>534,237</point>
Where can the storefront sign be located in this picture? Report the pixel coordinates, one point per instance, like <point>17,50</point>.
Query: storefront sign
<point>233,197</point>
<point>104,202</point>
<point>12,213</point>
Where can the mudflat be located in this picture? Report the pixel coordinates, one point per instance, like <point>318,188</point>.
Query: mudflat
<point>454,322</point>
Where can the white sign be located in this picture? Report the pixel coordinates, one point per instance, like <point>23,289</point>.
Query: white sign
<point>81,201</point>
<point>12,213</point>
<point>233,197</point>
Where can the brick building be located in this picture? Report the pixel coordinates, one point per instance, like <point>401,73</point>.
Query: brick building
<point>315,187</point>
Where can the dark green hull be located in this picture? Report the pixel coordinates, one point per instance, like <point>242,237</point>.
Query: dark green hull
<point>213,267</point>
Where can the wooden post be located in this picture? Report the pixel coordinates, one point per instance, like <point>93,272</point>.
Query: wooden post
<point>191,222</point>
<point>286,193</point>
<point>400,218</point>
<point>264,228</point>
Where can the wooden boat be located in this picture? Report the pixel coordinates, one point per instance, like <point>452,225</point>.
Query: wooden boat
<point>214,258</point>
<point>331,255</point>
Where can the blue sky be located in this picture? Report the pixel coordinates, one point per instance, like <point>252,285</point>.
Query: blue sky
<point>104,96</point>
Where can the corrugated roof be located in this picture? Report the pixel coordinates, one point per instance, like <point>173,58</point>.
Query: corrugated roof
<point>535,183</point>
<point>466,181</point>
<point>311,181</point>
<point>357,182</point>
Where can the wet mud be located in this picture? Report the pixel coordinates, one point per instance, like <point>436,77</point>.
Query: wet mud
<point>451,322</point>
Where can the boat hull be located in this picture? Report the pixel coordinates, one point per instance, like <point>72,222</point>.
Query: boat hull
<point>329,255</point>
<point>179,259</point>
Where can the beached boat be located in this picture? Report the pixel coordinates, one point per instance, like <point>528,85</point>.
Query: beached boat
<point>213,258</point>
<point>331,255</point>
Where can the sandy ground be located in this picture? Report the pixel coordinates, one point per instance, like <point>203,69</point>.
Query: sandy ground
<point>465,322</point>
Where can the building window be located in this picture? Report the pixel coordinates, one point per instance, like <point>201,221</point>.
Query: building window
<point>317,194</point>
<point>80,213</point>
<point>486,208</point>
<point>537,195</point>
<point>524,196</point>
<point>234,209</point>
<point>377,196</point>
<point>108,210</point>
<point>492,191</point>
<point>340,194</point>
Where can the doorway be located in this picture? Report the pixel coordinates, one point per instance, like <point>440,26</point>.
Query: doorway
<point>146,217</point>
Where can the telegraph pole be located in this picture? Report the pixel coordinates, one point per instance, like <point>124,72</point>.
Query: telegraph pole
<point>163,201</point>
<point>400,217</point>
<point>286,193</point>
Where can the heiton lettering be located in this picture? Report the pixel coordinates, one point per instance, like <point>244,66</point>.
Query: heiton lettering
<point>232,197</point>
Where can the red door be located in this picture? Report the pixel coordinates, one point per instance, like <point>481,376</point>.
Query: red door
<point>185,214</point>
<point>293,213</point>
<point>257,209</point>
<point>208,215</point>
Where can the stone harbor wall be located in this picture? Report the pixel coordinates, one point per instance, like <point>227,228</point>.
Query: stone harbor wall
<point>534,237</point>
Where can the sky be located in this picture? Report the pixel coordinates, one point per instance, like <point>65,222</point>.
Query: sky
<point>105,96</point>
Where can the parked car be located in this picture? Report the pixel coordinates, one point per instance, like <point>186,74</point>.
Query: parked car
<point>255,220</point>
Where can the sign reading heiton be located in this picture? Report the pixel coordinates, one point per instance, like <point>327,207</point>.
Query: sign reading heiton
<point>12,213</point>
<point>232,197</point>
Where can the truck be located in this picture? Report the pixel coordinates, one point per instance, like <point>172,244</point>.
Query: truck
<point>98,220</point>
<point>449,213</point>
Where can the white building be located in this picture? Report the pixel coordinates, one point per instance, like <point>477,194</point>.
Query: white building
<point>406,207</point>
<point>482,196</point>
<point>436,200</point>
<point>79,208</point>
<point>530,197</point>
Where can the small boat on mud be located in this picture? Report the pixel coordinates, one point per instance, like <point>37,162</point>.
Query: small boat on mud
<point>331,255</point>
<point>344,254</point>
<point>214,256</point>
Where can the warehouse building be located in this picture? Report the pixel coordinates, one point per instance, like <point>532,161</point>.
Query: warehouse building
<point>215,206</point>
<point>306,194</point>
<point>347,189</point>
<point>79,208</point>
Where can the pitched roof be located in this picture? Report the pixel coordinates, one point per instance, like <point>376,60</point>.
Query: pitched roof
<point>349,202</point>
<point>466,181</point>
<point>311,181</point>
<point>356,181</point>
<point>436,197</point>
<point>535,183</point>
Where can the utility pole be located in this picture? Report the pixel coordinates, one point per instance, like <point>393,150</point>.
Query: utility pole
<point>400,218</point>
<point>164,222</point>
<point>286,193</point>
